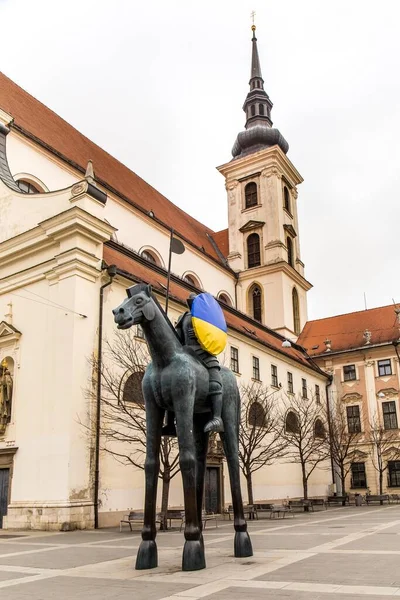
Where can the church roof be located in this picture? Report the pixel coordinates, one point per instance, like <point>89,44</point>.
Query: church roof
<point>350,331</point>
<point>138,269</point>
<point>40,124</point>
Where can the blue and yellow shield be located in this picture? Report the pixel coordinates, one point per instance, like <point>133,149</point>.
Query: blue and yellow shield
<point>209,323</point>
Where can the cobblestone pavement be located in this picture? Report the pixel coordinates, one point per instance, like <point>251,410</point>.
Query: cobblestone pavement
<point>350,552</point>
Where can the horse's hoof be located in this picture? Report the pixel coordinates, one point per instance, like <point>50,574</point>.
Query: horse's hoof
<point>147,555</point>
<point>243,545</point>
<point>193,558</point>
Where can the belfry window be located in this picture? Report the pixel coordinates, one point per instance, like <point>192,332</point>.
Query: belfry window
<point>296,311</point>
<point>250,195</point>
<point>286,199</point>
<point>253,250</point>
<point>253,110</point>
<point>255,301</point>
<point>261,109</point>
<point>289,245</point>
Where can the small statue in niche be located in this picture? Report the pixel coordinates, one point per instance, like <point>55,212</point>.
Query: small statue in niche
<point>6,388</point>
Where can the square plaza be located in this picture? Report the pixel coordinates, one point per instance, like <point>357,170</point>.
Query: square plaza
<point>351,552</point>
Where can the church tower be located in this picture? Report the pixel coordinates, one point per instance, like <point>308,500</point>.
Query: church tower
<point>264,246</point>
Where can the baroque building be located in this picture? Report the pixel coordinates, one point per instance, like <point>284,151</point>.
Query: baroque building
<point>76,229</point>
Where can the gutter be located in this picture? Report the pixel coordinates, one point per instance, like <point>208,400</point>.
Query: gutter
<point>111,271</point>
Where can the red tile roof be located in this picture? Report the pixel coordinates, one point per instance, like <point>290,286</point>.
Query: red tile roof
<point>136,268</point>
<point>346,331</point>
<point>222,240</point>
<point>33,118</point>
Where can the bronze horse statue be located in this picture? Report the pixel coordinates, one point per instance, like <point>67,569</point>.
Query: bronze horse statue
<point>176,381</point>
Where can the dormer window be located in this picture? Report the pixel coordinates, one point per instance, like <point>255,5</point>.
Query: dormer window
<point>250,195</point>
<point>27,187</point>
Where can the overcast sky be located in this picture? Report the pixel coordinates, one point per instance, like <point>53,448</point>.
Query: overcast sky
<point>160,85</point>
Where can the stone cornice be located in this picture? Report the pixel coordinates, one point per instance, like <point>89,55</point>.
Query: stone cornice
<point>274,268</point>
<point>253,163</point>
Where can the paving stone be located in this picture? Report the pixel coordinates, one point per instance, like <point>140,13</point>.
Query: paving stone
<point>66,558</point>
<point>235,593</point>
<point>10,548</point>
<point>6,575</point>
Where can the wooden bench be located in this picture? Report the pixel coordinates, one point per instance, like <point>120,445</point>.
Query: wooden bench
<point>135,516</point>
<point>248,510</point>
<point>280,509</point>
<point>261,507</point>
<point>370,498</point>
<point>204,517</point>
<point>395,498</point>
<point>303,504</point>
<point>319,502</point>
<point>338,500</point>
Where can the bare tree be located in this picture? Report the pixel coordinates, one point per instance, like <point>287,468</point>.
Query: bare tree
<point>384,447</point>
<point>122,412</point>
<point>343,438</point>
<point>304,430</point>
<point>260,441</point>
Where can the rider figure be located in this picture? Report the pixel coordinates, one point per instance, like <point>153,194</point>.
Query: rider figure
<point>186,334</point>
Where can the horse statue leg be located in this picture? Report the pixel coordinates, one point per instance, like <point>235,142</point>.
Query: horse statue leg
<point>147,554</point>
<point>193,551</point>
<point>230,439</point>
<point>201,446</point>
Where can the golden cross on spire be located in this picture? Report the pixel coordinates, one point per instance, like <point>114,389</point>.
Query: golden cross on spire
<point>253,14</point>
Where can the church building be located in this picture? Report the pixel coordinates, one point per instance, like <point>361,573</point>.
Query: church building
<point>77,228</point>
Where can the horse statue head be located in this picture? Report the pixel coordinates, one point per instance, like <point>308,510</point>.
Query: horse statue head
<point>137,308</point>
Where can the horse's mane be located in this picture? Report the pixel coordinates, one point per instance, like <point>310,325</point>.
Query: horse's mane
<point>144,287</point>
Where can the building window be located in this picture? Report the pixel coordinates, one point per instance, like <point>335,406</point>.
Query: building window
<point>27,187</point>
<point>384,367</point>
<point>250,195</point>
<point>296,311</point>
<point>358,478</point>
<point>353,419</point>
<point>234,360</point>
<point>286,199</point>
<point>349,373</point>
<point>192,280</point>
<point>319,429</point>
<point>289,245</point>
<point>317,394</point>
<point>389,415</point>
<point>290,382</point>
<point>149,256</point>
<point>292,424</point>
<point>304,388</point>
<point>261,109</point>
<point>225,299</point>
<point>274,376</point>
<point>256,302</point>
<point>139,332</point>
<point>256,368</point>
<point>133,389</point>
<point>256,416</point>
<point>253,250</point>
<point>394,473</point>
<point>253,110</point>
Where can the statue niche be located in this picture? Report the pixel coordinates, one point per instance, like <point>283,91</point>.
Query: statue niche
<point>6,389</point>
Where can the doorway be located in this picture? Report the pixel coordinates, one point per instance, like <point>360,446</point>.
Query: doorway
<point>4,484</point>
<point>212,491</point>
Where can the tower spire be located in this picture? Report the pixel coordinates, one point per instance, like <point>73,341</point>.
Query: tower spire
<point>257,107</point>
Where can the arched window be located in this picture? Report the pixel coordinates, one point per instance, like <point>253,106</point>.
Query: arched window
<point>133,389</point>
<point>292,423</point>
<point>148,256</point>
<point>225,299</point>
<point>253,110</point>
<point>319,429</point>
<point>250,194</point>
<point>289,245</point>
<point>255,302</point>
<point>286,198</point>
<point>192,280</point>
<point>253,250</point>
<point>256,416</point>
<point>296,311</point>
<point>261,109</point>
<point>27,187</point>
